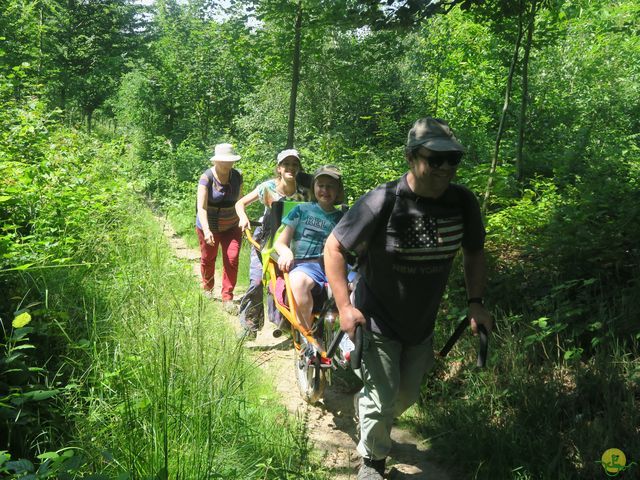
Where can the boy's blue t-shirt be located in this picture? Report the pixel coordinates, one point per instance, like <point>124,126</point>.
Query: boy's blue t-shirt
<point>311,227</point>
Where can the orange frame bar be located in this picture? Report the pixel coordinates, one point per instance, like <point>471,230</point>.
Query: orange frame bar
<point>289,314</point>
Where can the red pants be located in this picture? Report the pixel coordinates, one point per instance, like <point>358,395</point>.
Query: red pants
<point>230,241</point>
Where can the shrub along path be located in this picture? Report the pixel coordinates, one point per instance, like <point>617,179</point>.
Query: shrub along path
<point>330,423</point>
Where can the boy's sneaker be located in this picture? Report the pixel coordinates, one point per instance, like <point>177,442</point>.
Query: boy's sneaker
<point>371,469</point>
<point>208,294</point>
<point>325,362</point>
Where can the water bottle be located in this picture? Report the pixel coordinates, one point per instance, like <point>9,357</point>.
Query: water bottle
<point>346,346</point>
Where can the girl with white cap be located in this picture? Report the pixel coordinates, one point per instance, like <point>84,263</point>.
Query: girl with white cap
<point>283,187</point>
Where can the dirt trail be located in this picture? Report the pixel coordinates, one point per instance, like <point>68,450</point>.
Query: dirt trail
<point>330,422</point>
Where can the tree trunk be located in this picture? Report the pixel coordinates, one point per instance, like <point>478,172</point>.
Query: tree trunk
<point>89,120</point>
<point>204,123</point>
<point>40,41</point>
<point>525,91</point>
<point>505,107</point>
<point>437,99</point>
<point>295,78</point>
<point>63,97</point>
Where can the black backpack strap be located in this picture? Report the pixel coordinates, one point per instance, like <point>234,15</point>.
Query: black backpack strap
<point>390,196</point>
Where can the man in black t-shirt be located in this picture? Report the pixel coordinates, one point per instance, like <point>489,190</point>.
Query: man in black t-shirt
<point>406,234</point>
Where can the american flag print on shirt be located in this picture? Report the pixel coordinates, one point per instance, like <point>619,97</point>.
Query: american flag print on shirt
<point>421,238</point>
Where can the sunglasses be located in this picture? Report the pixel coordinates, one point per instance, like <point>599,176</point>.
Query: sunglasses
<point>436,160</point>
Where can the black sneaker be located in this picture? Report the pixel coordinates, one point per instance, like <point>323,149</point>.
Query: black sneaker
<point>371,469</point>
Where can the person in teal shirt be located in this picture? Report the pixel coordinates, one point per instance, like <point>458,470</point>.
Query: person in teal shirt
<point>301,243</point>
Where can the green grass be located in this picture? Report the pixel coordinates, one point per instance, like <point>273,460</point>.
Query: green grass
<point>151,380</point>
<point>173,393</point>
<point>529,417</point>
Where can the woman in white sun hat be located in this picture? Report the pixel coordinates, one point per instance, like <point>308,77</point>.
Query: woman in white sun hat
<point>283,187</point>
<point>217,222</point>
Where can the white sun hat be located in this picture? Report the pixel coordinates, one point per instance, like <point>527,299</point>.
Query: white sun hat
<point>224,153</point>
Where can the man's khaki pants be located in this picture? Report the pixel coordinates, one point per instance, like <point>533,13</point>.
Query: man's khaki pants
<point>392,374</point>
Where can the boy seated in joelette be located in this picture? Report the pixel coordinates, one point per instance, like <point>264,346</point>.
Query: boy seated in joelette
<point>301,243</point>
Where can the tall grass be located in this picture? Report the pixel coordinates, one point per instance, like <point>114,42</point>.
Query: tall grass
<point>123,362</point>
<point>173,394</point>
<point>530,418</point>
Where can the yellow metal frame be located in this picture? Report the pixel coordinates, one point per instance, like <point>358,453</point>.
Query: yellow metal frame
<point>290,313</point>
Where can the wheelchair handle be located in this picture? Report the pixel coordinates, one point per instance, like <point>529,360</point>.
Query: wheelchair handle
<point>356,354</point>
<point>484,342</point>
<point>251,240</point>
<point>462,326</point>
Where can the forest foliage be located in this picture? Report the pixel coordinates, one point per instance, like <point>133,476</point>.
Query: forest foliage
<point>105,97</point>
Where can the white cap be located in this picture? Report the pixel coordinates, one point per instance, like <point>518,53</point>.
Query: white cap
<point>291,152</point>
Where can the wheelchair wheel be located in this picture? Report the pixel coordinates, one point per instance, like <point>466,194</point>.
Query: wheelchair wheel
<point>309,376</point>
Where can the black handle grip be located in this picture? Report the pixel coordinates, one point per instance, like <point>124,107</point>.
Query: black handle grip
<point>462,326</point>
<point>356,354</point>
<point>484,342</point>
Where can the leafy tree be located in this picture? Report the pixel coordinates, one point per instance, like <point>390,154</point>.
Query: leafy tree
<point>78,50</point>
<point>200,70</point>
<point>90,48</point>
<point>22,28</point>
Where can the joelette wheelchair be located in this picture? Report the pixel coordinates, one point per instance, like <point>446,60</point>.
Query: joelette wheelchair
<point>319,350</point>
